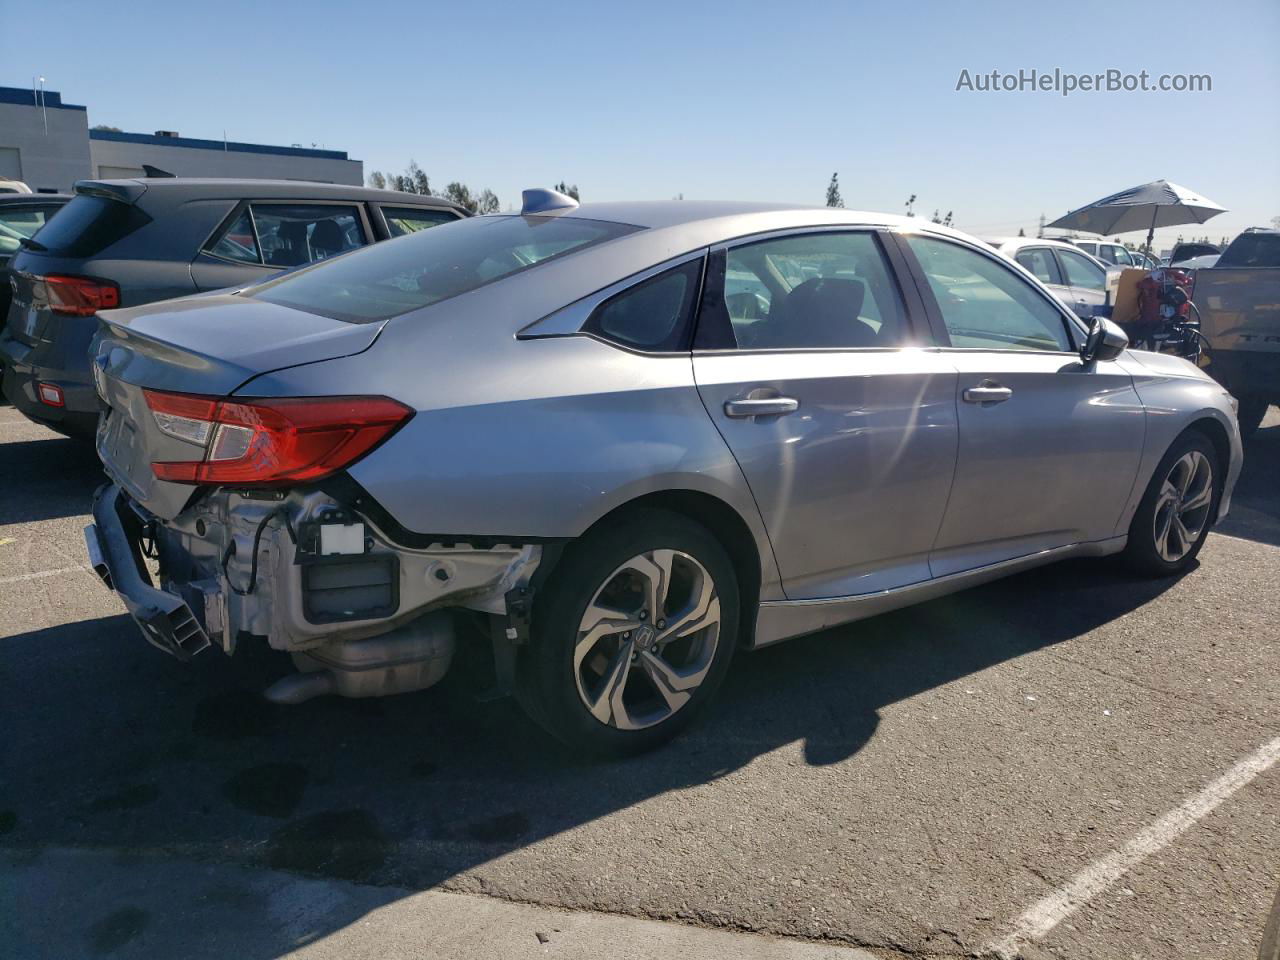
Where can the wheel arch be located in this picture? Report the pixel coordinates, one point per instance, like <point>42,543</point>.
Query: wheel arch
<point>727,525</point>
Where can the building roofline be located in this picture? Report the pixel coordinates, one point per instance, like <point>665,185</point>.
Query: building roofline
<point>24,97</point>
<point>230,146</point>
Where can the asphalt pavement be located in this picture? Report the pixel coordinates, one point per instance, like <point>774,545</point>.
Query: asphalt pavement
<point>1067,763</point>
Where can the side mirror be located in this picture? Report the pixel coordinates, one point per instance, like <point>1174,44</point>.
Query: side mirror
<point>1106,341</point>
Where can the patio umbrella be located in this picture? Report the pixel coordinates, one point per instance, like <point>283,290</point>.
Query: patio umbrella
<point>1156,204</point>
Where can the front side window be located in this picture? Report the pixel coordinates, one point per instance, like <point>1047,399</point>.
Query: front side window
<point>293,234</point>
<point>402,220</point>
<point>652,315</point>
<point>388,279</point>
<point>1120,256</point>
<point>986,305</point>
<point>1039,262</point>
<point>1082,272</point>
<point>810,291</point>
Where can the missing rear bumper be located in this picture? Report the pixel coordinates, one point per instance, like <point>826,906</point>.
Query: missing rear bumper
<point>113,541</point>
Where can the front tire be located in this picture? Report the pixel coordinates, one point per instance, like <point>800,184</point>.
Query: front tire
<point>632,634</point>
<point>1174,517</point>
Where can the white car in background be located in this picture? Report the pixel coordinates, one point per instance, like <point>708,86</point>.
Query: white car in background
<point>1109,252</point>
<point>1077,279</point>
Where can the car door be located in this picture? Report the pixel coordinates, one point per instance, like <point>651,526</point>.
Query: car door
<point>1087,281</point>
<point>1049,447</point>
<point>263,238</point>
<point>1041,264</point>
<point>814,366</point>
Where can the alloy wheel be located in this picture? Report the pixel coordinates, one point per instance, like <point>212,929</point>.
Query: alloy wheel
<point>647,639</point>
<point>1182,509</point>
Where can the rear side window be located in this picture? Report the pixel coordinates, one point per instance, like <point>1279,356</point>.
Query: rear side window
<point>1039,262</point>
<point>88,225</point>
<point>388,279</point>
<point>652,315</point>
<point>289,235</point>
<point>812,291</point>
<point>402,220</point>
<point>19,222</point>
<point>1252,250</point>
<point>1082,272</point>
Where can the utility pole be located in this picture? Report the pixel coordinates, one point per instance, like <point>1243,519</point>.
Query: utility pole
<point>1040,232</point>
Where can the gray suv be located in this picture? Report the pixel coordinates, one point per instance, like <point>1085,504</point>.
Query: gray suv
<point>124,243</point>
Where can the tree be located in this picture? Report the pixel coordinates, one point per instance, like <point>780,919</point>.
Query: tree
<point>415,180</point>
<point>487,202</point>
<point>105,126</point>
<point>833,192</point>
<point>459,194</point>
<point>910,205</point>
<point>567,190</point>
<point>1021,232</point>
<point>378,180</point>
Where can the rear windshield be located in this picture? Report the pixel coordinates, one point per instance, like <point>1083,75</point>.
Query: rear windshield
<point>1252,250</point>
<point>417,270</point>
<point>88,225</point>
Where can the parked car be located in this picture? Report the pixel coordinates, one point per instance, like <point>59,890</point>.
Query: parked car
<point>1238,299</point>
<point>1185,251</point>
<point>1255,247</point>
<point>1197,263</point>
<point>1144,261</point>
<point>1116,254</point>
<point>13,186</point>
<point>570,423</point>
<point>21,215</point>
<point>122,243</point>
<point>1076,278</point>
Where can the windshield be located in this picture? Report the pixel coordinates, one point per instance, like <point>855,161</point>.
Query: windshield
<point>395,277</point>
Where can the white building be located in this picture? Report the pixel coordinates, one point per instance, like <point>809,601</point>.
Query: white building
<point>48,145</point>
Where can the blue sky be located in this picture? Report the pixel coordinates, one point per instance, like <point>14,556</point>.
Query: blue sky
<point>742,100</point>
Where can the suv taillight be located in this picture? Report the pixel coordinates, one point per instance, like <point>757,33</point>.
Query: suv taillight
<point>271,442</point>
<point>80,296</point>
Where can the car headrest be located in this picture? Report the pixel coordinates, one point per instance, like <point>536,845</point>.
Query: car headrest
<point>327,235</point>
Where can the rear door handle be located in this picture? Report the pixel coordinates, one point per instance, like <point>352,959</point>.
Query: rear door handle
<point>760,407</point>
<point>987,393</point>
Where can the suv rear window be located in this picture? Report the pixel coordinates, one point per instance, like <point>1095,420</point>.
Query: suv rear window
<point>88,225</point>
<point>1252,250</point>
<point>422,268</point>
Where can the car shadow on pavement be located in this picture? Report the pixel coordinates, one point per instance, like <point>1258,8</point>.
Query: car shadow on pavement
<point>1253,513</point>
<point>114,746</point>
<point>43,479</point>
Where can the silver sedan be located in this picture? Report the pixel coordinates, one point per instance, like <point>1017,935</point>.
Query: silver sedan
<point>618,443</point>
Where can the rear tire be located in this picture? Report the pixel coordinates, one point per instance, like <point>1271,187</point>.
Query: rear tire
<point>1178,509</point>
<point>632,634</point>
<point>1252,410</point>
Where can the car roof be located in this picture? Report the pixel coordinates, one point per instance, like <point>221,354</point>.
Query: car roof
<point>1019,242</point>
<point>712,221</point>
<point>223,187</point>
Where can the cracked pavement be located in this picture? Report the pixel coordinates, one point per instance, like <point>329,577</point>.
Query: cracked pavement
<point>907,786</point>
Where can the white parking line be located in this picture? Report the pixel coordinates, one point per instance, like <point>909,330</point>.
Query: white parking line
<point>39,574</point>
<point>1047,913</point>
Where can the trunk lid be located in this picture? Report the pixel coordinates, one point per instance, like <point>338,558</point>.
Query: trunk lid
<point>208,345</point>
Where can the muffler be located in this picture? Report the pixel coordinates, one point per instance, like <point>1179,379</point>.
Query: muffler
<point>412,657</point>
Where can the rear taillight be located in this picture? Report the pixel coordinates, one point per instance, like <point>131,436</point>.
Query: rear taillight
<point>80,296</point>
<point>271,442</point>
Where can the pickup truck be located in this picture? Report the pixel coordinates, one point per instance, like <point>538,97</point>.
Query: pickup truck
<point>1239,303</point>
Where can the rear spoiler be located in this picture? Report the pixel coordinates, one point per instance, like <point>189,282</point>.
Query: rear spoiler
<point>124,191</point>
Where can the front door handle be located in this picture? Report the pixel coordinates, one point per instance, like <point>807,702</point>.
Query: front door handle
<point>987,392</point>
<point>760,407</point>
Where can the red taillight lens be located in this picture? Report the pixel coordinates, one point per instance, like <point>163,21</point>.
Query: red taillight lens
<point>271,443</point>
<point>80,296</point>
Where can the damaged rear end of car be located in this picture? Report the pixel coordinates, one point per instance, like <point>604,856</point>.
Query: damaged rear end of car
<point>230,518</point>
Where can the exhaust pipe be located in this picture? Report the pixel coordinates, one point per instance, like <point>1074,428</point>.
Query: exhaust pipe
<point>412,657</point>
